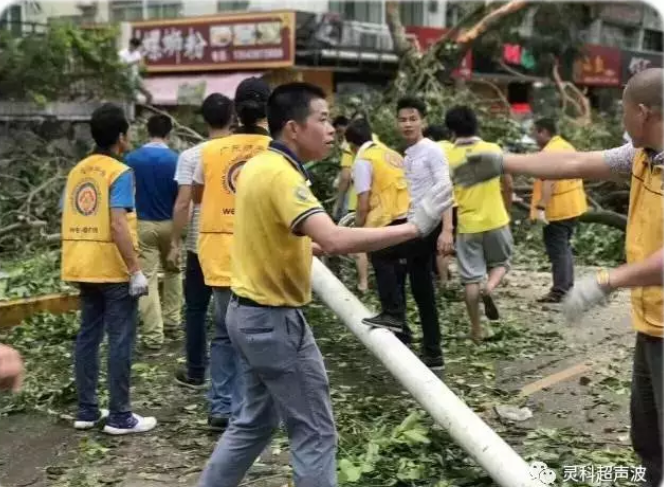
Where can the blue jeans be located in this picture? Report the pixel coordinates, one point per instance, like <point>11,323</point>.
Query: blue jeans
<point>109,307</point>
<point>224,392</point>
<point>197,299</point>
<point>283,377</point>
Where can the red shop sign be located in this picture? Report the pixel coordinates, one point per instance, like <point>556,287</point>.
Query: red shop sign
<point>598,66</point>
<point>225,42</point>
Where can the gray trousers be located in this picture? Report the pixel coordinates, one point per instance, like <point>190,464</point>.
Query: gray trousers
<point>557,240</point>
<point>283,377</point>
<point>646,405</point>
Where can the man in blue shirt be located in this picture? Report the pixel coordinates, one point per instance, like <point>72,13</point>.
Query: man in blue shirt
<point>154,167</point>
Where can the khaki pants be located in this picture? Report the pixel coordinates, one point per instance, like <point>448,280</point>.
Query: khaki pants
<point>154,242</point>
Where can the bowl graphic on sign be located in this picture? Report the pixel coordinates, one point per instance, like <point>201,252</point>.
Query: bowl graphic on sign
<point>220,36</point>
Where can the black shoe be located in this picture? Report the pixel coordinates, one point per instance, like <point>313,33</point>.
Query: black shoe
<point>551,297</point>
<point>434,363</point>
<point>490,309</point>
<point>383,320</point>
<point>217,423</point>
<point>405,338</point>
<point>184,380</point>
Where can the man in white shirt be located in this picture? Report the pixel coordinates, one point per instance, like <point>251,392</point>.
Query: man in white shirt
<point>132,57</point>
<point>425,165</point>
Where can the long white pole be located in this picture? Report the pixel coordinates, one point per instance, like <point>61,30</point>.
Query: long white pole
<point>499,460</point>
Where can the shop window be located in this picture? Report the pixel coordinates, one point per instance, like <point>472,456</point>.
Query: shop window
<point>367,11</point>
<point>619,36</point>
<point>12,19</point>
<point>127,11</point>
<point>652,41</point>
<point>412,13</point>
<point>231,6</point>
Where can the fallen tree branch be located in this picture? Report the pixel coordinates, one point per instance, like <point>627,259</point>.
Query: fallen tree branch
<point>21,225</point>
<point>176,124</point>
<point>501,97</point>
<point>605,217</point>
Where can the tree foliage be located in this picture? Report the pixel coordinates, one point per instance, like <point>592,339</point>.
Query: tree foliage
<point>62,63</point>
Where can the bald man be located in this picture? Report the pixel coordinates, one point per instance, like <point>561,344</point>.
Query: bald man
<point>642,160</point>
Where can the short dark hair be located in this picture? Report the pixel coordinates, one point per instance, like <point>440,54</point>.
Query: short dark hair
<point>159,126</point>
<point>340,121</point>
<point>107,123</point>
<point>412,102</point>
<point>291,101</point>
<point>251,98</point>
<point>217,110</point>
<point>135,42</point>
<point>461,121</point>
<point>547,124</point>
<point>359,132</point>
<point>436,132</point>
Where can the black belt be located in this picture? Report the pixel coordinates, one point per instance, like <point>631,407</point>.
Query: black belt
<point>248,302</point>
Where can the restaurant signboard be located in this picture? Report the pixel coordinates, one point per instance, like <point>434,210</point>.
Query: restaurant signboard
<point>260,40</point>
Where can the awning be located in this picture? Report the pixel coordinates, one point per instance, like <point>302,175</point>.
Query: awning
<point>175,90</point>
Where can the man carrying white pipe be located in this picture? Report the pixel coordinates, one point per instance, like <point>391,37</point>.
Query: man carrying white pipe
<point>278,225</point>
<point>643,160</point>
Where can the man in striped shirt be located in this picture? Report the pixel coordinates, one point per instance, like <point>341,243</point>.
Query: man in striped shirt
<point>217,111</point>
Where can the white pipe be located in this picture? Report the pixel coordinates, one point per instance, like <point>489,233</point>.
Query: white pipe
<point>499,460</point>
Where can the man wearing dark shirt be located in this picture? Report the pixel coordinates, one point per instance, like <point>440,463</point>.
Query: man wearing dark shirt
<point>154,168</point>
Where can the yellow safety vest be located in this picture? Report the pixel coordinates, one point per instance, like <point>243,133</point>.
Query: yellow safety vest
<point>480,208</point>
<point>389,198</point>
<point>347,160</point>
<point>644,237</point>
<point>89,253</point>
<point>222,161</point>
<point>568,199</point>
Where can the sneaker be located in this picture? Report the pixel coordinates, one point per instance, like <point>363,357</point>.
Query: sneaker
<point>434,363</point>
<point>550,297</point>
<point>217,423</point>
<point>183,379</point>
<point>490,309</point>
<point>383,320</point>
<point>87,425</point>
<point>133,424</point>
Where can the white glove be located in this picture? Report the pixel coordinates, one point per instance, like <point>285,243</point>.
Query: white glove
<point>541,217</point>
<point>586,294</point>
<point>428,213</point>
<point>138,285</point>
<point>478,168</point>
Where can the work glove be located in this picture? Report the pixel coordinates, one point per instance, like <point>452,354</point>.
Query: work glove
<point>426,216</point>
<point>138,285</point>
<point>585,295</point>
<point>478,168</point>
<point>541,217</point>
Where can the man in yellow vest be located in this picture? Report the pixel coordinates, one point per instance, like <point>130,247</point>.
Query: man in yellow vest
<point>277,219</point>
<point>484,239</point>
<point>215,181</point>
<point>99,254</point>
<point>643,161</point>
<point>557,204</point>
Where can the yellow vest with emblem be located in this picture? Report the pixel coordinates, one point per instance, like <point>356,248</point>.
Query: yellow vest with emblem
<point>89,253</point>
<point>222,161</point>
<point>644,237</point>
<point>389,198</point>
<point>481,207</point>
<point>568,199</point>
<point>347,160</point>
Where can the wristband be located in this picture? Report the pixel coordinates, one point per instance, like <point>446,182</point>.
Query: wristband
<point>541,208</point>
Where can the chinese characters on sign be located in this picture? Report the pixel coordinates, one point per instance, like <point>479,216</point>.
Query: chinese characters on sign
<point>598,66</point>
<point>215,43</point>
<point>603,473</point>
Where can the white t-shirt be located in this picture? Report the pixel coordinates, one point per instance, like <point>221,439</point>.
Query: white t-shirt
<point>184,175</point>
<point>132,58</point>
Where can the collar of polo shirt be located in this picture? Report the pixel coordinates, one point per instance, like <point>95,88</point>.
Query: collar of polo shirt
<point>281,149</point>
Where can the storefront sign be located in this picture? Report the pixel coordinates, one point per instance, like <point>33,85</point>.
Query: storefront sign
<point>425,37</point>
<point>233,41</point>
<point>622,13</point>
<point>636,61</point>
<point>598,66</point>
